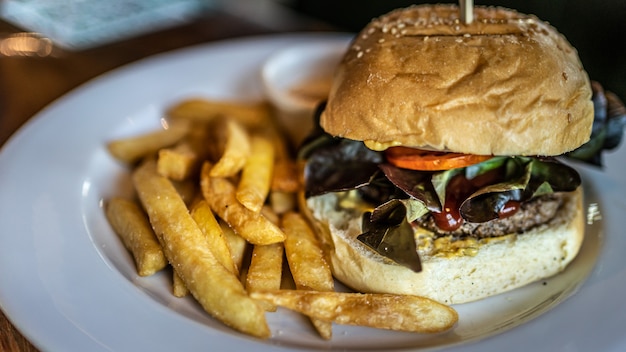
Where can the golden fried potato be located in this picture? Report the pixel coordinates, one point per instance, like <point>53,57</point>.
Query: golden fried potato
<point>305,255</point>
<point>133,228</point>
<point>285,177</point>
<point>383,311</point>
<point>203,216</point>
<point>282,202</point>
<point>269,213</point>
<point>187,189</point>
<point>183,160</point>
<point>205,110</point>
<point>256,176</point>
<point>220,194</point>
<point>265,271</point>
<point>131,149</point>
<point>306,261</point>
<point>217,289</point>
<point>179,162</point>
<point>178,286</point>
<point>235,148</point>
<point>236,243</point>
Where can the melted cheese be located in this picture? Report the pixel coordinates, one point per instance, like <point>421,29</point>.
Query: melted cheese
<point>449,247</point>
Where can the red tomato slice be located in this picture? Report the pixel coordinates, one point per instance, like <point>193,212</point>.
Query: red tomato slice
<point>425,160</point>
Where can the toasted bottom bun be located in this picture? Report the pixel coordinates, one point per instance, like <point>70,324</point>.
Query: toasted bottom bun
<point>452,271</point>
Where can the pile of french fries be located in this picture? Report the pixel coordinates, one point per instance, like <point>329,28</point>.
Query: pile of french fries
<point>216,201</point>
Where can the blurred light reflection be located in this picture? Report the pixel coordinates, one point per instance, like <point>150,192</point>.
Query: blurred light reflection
<point>25,44</point>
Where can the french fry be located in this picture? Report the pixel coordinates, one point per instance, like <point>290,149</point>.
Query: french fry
<point>230,159</point>
<point>178,286</point>
<point>133,228</point>
<point>217,290</point>
<point>204,110</point>
<point>131,149</point>
<point>183,160</point>
<point>265,271</point>
<point>306,261</point>
<point>187,189</point>
<point>285,178</point>
<point>266,264</point>
<point>383,311</point>
<point>236,243</point>
<point>282,202</point>
<point>179,162</point>
<point>203,216</point>
<point>235,151</point>
<point>256,176</point>
<point>305,256</point>
<point>220,194</point>
<point>322,232</point>
<point>269,213</point>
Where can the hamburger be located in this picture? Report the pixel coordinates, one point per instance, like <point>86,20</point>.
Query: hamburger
<point>435,167</point>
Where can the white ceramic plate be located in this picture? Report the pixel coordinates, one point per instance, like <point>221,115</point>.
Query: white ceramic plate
<point>67,283</point>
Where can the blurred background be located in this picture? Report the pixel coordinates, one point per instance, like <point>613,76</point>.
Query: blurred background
<point>597,28</point>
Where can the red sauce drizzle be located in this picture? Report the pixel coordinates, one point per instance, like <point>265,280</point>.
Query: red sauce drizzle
<point>459,188</point>
<point>510,208</point>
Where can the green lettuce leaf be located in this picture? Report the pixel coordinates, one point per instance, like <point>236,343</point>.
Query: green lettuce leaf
<point>526,178</point>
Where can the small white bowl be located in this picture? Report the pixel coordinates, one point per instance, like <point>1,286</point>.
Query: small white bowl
<point>296,79</point>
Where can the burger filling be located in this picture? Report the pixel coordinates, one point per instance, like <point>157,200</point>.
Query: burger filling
<point>480,197</point>
<point>532,213</point>
<point>456,196</point>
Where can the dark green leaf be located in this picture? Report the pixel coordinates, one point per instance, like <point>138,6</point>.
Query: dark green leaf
<point>338,166</point>
<point>394,211</point>
<point>485,204</point>
<point>395,242</point>
<point>608,127</point>
<point>533,177</point>
<point>475,170</point>
<point>560,177</point>
<point>391,213</point>
<point>416,184</point>
<point>616,114</point>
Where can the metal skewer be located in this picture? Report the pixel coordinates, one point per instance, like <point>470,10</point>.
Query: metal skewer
<point>467,11</point>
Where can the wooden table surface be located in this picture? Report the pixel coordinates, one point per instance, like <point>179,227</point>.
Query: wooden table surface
<point>27,84</point>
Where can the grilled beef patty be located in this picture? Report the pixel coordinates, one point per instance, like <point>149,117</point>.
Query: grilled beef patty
<point>533,213</point>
